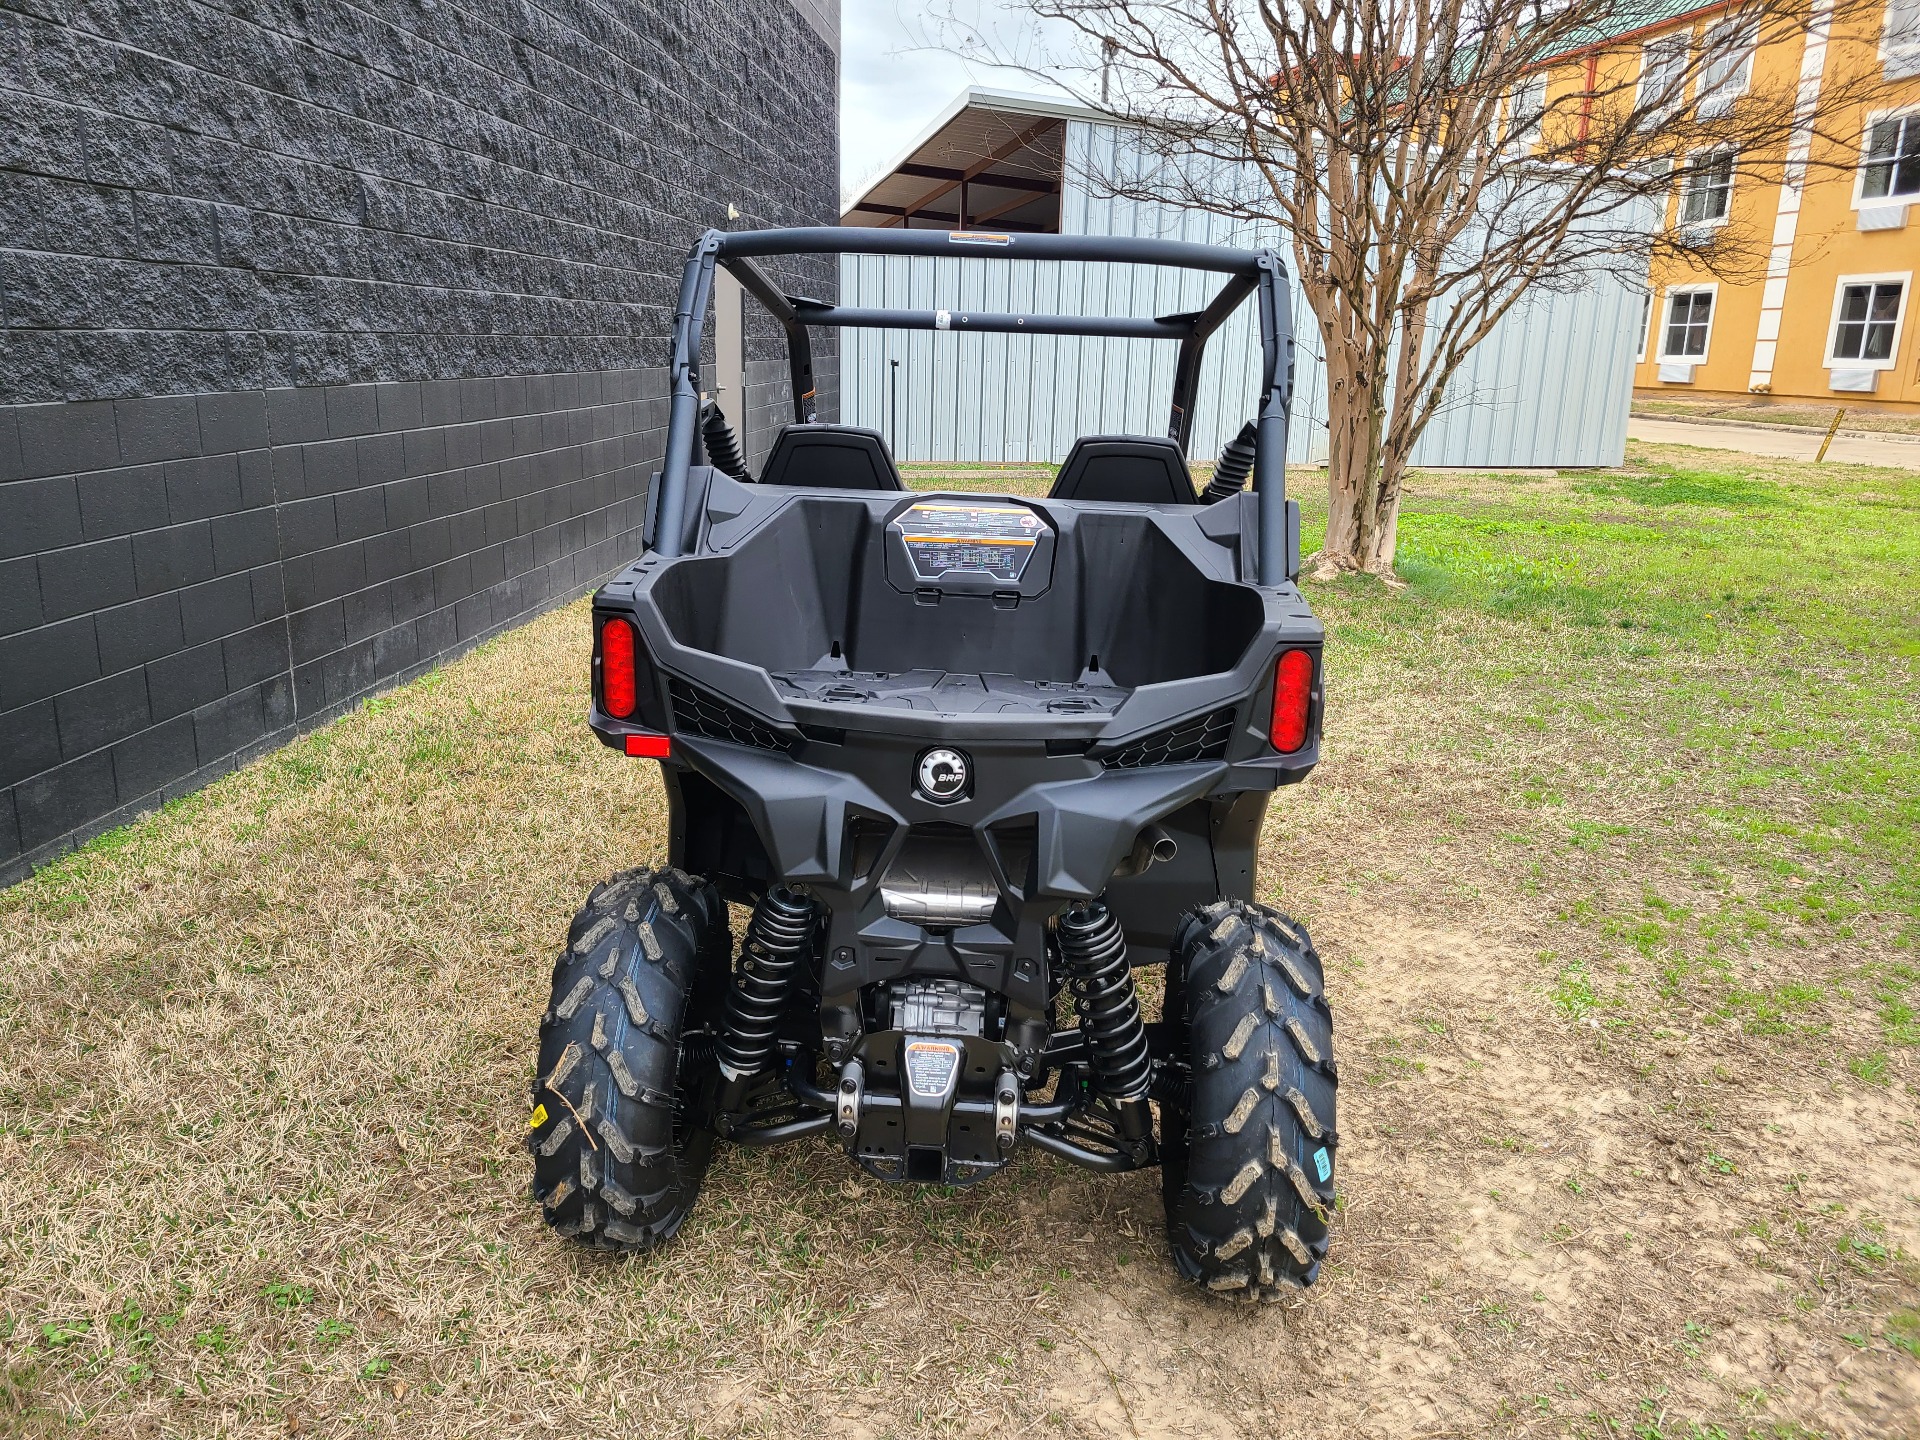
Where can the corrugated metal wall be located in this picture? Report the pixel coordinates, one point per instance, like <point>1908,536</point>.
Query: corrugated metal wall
<point>1549,387</point>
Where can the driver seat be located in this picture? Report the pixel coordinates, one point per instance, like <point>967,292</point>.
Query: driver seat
<point>1127,470</point>
<point>836,457</point>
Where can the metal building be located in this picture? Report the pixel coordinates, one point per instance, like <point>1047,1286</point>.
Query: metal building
<point>1550,387</point>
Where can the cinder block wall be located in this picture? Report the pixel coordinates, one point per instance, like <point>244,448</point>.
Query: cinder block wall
<point>335,341</point>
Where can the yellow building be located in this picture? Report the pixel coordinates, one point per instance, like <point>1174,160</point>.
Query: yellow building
<point>1838,222</point>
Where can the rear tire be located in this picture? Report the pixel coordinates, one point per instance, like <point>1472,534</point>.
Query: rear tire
<point>1247,1152</point>
<point>619,1139</point>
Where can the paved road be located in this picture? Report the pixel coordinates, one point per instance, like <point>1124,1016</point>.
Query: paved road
<point>1776,440</point>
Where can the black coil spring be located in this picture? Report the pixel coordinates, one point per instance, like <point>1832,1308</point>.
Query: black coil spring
<point>779,937</point>
<point>1093,949</point>
<point>1235,464</point>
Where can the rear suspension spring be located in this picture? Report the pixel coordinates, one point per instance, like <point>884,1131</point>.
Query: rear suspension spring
<point>1093,950</point>
<point>779,937</point>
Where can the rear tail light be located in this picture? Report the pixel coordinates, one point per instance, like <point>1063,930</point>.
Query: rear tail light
<point>619,690</point>
<point>1292,696</point>
<point>649,747</point>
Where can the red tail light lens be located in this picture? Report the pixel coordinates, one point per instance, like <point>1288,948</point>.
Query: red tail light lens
<point>1292,695</point>
<point>619,692</point>
<point>649,747</point>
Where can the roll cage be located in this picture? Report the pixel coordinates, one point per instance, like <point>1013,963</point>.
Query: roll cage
<point>1248,272</point>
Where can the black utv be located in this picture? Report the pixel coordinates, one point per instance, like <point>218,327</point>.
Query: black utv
<point>973,761</point>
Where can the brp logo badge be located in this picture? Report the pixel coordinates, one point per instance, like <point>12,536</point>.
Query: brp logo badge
<point>943,775</point>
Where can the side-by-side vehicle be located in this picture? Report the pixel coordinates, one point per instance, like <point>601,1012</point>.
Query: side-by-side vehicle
<point>975,762</point>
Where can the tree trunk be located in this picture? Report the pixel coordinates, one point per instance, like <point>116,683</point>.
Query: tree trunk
<point>1380,527</point>
<point>1368,448</point>
<point>1356,422</point>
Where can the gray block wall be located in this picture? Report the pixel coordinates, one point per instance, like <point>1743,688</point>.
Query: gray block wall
<point>335,341</point>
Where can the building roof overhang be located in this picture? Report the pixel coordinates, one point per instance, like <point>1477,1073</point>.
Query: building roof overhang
<point>991,157</point>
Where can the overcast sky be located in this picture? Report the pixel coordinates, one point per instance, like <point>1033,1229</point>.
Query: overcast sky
<point>892,84</point>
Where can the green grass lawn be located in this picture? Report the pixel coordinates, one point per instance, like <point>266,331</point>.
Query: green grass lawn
<point>1800,417</point>
<point>1612,855</point>
<point>1742,634</point>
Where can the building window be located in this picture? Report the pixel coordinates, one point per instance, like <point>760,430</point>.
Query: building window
<point>1689,321</point>
<point>1646,324</point>
<point>1706,188</point>
<point>1729,64</point>
<point>1866,320</point>
<point>1900,39</point>
<point>1663,77</point>
<point>1890,168</point>
<point>1526,112</point>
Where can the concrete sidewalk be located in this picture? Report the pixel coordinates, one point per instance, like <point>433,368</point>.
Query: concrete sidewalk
<point>1781,440</point>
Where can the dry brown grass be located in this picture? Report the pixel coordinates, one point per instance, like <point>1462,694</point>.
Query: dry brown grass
<point>263,1061</point>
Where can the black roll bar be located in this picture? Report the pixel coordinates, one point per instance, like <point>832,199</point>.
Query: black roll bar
<point>1248,272</point>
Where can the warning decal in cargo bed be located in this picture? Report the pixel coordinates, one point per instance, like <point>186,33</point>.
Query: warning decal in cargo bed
<point>988,538</point>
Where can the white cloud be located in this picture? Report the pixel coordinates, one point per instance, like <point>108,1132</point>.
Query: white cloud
<point>893,81</point>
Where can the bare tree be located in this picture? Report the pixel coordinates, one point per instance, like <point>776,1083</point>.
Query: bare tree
<point>1433,160</point>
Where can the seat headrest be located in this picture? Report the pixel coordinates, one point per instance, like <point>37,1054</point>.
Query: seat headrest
<point>1125,469</point>
<point>835,457</point>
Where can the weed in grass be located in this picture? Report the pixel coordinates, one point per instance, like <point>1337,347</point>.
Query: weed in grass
<point>1870,1068</point>
<point>1903,1331</point>
<point>1869,1253</point>
<point>1900,1022</point>
<point>1572,992</point>
<point>283,1295</point>
<point>58,1334</point>
<point>1772,1011</point>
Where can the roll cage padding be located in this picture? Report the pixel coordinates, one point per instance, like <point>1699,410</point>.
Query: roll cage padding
<point>1258,273</point>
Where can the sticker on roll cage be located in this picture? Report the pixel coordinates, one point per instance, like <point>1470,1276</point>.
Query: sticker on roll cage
<point>931,1066</point>
<point>945,536</point>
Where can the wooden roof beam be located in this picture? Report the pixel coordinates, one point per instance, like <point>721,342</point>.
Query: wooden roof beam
<point>1002,182</point>
<point>1013,147</point>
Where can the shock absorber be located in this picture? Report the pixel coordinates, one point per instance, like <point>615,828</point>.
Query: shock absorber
<point>723,449</point>
<point>1093,950</point>
<point>1235,464</point>
<point>779,937</point>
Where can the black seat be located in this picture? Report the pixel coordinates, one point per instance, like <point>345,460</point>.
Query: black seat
<point>838,457</point>
<point>1129,469</point>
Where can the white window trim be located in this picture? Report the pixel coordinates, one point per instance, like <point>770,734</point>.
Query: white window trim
<point>1889,52</point>
<point>1679,102</point>
<point>1665,309</point>
<point>1680,187</point>
<point>1725,94</point>
<point>1905,277</point>
<point>1518,142</point>
<point>1874,117</point>
<point>1647,322</point>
